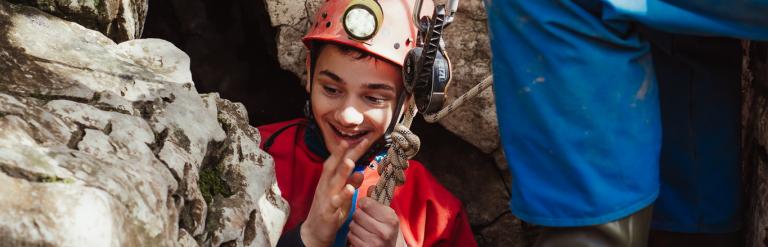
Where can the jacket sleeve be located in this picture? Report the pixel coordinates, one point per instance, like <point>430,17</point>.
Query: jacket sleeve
<point>738,19</point>
<point>462,231</point>
<point>429,214</point>
<point>458,233</point>
<point>291,238</point>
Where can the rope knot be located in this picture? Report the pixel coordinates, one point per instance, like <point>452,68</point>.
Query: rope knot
<point>405,140</point>
<point>405,145</point>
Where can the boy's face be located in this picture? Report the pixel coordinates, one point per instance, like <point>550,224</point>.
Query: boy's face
<point>353,99</point>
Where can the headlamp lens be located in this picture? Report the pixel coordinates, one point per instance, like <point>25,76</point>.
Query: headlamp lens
<point>360,22</point>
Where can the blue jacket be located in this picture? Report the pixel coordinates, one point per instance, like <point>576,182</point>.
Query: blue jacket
<point>578,100</point>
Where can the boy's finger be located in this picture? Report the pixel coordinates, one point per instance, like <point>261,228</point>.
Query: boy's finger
<point>326,184</point>
<point>336,157</point>
<point>356,179</point>
<point>342,198</point>
<point>359,231</point>
<point>356,241</point>
<point>355,152</point>
<point>342,201</point>
<point>370,190</point>
<point>339,177</point>
<point>380,212</point>
<point>343,168</point>
<point>365,221</point>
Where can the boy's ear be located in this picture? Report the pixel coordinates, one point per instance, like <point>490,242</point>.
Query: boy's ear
<point>307,85</point>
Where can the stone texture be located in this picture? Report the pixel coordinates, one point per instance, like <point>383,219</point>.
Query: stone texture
<point>119,20</point>
<point>247,217</point>
<point>291,18</point>
<point>469,49</point>
<point>755,141</point>
<point>111,145</point>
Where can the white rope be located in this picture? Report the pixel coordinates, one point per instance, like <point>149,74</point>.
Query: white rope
<point>473,92</point>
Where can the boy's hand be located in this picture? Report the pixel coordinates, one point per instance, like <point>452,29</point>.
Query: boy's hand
<point>333,196</point>
<point>375,224</point>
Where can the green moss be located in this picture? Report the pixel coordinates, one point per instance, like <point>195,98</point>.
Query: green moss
<point>211,184</point>
<point>55,179</point>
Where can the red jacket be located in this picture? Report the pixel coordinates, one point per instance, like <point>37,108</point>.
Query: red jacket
<point>429,214</point>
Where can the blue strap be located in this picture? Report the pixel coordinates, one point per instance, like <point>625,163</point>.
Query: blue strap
<point>341,234</point>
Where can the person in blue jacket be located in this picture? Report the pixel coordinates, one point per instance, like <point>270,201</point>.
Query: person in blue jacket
<point>580,116</point>
<point>700,200</point>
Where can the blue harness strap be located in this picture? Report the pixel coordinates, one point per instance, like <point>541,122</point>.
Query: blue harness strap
<point>341,234</point>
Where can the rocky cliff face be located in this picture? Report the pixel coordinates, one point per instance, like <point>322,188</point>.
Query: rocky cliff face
<point>105,144</point>
<point>120,20</point>
<point>755,141</point>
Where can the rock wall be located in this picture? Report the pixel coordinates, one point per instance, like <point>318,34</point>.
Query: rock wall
<point>120,20</point>
<point>105,144</point>
<point>755,141</point>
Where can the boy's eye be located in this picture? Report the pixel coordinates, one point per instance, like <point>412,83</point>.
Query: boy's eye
<point>375,100</point>
<point>330,90</point>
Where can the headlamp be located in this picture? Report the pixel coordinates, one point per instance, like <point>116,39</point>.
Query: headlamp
<point>362,19</point>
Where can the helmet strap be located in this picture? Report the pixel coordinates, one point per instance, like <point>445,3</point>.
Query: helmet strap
<point>396,116</point>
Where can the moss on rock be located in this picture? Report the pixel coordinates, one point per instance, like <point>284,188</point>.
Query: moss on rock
<point>211,184</point>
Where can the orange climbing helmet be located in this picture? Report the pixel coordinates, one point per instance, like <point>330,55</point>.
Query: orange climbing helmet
<point>391,30</point>
<point>384,28</point>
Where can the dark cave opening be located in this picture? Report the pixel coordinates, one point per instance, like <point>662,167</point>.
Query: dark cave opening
<point>233,52</point>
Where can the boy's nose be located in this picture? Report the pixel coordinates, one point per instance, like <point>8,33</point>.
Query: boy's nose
<point>350,116</point>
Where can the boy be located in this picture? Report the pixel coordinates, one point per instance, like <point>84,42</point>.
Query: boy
<point>354,85</point>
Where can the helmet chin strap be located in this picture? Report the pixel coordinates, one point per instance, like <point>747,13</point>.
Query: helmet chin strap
<point>396,117</point>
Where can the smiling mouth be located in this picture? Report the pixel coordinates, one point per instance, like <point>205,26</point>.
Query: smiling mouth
<point>349,136</point>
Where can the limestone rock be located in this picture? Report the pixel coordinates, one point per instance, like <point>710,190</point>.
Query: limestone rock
<point>119,20</point>
<point>755,128</point>
<point>249,215</point>
<point>468,47</point>
<point>111,145</point>
<point>291,18</point>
